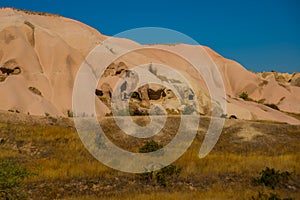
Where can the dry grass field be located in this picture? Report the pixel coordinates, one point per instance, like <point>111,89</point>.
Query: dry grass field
<point>62,168</point>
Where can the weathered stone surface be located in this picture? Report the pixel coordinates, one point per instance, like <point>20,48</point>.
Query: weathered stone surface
<point>107,91</point>
<point>143,92</point>
<point>295,81</point>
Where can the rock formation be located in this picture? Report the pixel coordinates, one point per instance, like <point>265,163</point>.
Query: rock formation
<point>44,52</point>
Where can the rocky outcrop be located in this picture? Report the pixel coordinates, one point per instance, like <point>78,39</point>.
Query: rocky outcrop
<point>115,69</point>
<point>295,80</point>
<point>284,78</point>
<point>106,94</point>
<point>143,92</point>
<point>143,98</point>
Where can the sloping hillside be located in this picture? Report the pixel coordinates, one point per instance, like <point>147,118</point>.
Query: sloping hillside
<point>40,55</point>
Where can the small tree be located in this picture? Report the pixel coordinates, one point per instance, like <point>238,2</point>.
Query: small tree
<point>150,147</point>
<point>244,95</point>
<point>164,175</point>
<point>271,178</point>
<point>70,113</point>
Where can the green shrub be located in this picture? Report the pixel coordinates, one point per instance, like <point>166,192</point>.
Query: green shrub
<point>244,95</point>
<point>164,175</point>
<point>11,177</point>
<point>150,147</point>
<point>147,176</point>
<point>271,178</point>
<point>70,113</point>
<point>135,95</point>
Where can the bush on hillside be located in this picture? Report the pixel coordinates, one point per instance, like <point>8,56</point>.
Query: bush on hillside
<point>164,175</point>
<point>244,95</point>
<point>271,178</point>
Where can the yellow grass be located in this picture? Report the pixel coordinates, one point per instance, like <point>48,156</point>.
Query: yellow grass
<point>66,159</point>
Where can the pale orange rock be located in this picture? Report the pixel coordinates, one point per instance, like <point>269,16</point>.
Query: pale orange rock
<point>45,52</point>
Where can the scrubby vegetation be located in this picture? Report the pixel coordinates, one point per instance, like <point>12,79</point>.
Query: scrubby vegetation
<point>271,177</point>
<point>11,178</point>
<point>150,146</point>
<point>66,170</point>
<point>70,113</point>
<point>135,95</point>
<point>244,95</point>
<point>164,175</point>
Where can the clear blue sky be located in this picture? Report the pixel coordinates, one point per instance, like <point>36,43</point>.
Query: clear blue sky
<point>261,35</point>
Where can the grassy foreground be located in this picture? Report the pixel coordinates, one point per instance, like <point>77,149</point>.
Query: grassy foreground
<point>63,169</point>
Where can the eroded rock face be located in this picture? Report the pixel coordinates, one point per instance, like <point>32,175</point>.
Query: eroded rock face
<point>170,102</point>
<point>295,80</point>
<point>116,69</point>
<point>142,99</point>
<point>2,77</point>
<point>10,67</point>
<point>156,94</point>
<point>143,92</point>
<point>50,50</point>
<point>110,70</point>
<point>281,77</point>
<point>106,94</point>
<point>121,69</point>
